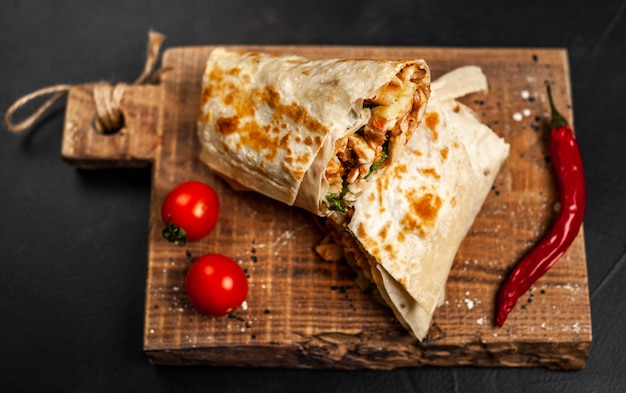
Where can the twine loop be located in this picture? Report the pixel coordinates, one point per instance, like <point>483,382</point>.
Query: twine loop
<point>107,97</point>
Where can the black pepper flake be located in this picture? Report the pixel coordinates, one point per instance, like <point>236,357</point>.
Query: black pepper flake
<point>535,58</point>
<point>535,127</point>
<point>253,250</point>
<point>531,99</point>
<point>479,102</point>
<point>266,311</point>
<point>253,336</point>
<point>497,192</point>
<point>341,289</point>
<point>188,253</point>
<point>523,307</point>
<point>254,258</point>
<point>543,292</point>
<point>233,316</point>
<point>547,159</point>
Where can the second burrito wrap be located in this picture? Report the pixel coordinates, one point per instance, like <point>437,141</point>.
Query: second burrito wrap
<point>405,230</point>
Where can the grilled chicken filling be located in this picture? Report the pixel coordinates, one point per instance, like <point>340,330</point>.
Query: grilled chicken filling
<point>393,111</point>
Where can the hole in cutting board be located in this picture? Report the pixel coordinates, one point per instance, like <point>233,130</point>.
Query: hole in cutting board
<point>109,126</point>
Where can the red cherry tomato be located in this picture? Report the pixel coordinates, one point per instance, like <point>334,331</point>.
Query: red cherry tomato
<point>190,211</point>
<point>216,285</point>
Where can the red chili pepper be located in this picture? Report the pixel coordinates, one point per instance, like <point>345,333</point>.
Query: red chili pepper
<point>572,194</point>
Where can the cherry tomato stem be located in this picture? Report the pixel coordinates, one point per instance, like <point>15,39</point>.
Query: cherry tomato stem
<point>174,234</point>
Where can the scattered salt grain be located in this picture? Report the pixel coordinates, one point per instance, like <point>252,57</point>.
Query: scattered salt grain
<point>525,94</point>
<point>526,112</point>
<point>469,303</point>
<point>517,116</point>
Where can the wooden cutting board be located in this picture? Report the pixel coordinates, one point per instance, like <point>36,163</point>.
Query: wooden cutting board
<point>303,312</point>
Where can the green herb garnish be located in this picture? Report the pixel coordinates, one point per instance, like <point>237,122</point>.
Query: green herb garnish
<point>336,201</point>
<point>384,155</point>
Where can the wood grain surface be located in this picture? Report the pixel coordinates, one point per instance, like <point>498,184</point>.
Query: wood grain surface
<point>303,312</point>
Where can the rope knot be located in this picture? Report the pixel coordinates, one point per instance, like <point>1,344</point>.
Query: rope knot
<point>109,117</point>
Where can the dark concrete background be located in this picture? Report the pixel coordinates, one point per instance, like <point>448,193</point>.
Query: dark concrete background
<point>73,243</point>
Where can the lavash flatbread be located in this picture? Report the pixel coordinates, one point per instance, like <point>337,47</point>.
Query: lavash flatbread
<point>275,124</point>
<point>408,225</point>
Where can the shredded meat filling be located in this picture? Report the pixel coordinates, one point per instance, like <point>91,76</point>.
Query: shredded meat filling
<point>393,111</point>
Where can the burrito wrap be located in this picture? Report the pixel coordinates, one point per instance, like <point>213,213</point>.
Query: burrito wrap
<point>274,123</point>
<point>408,225</point>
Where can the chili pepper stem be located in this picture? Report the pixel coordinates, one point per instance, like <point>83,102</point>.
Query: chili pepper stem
<point>557,120</point>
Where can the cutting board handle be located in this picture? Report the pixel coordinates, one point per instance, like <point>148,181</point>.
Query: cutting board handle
<point>85,146</point>
<point>106,126</point>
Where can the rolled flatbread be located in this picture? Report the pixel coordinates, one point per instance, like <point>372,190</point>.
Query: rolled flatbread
<point>407,226</point>
<point>309,133</point>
